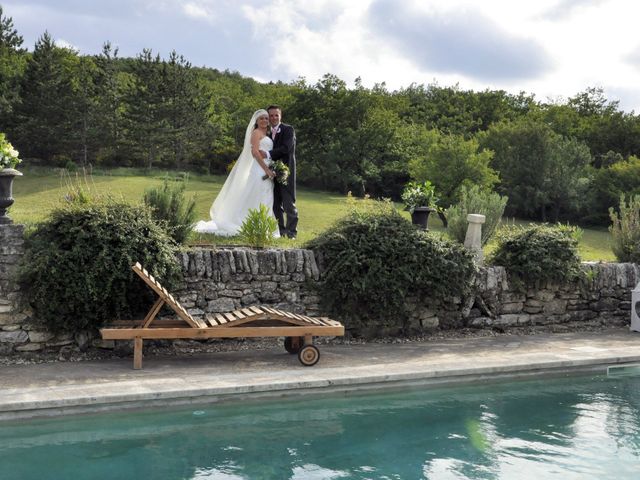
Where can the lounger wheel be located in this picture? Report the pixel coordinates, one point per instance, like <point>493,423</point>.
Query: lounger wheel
<point>293,344</point>
<point>309,355</point>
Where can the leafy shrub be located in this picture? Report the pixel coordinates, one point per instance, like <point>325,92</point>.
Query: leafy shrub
<point>625,230</point>
<point>76,272</point>
<point>259,227</point>
<point>169,206</point>
<point>374,258</point>
<point>475,200</point>
<point>622,178</point>
<point>538,253</point>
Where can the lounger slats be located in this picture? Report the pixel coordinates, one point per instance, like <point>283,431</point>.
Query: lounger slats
<point>238,314</point>
<point>251,321</point>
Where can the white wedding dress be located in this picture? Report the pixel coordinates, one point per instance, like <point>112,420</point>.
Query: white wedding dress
<point>243,189</point>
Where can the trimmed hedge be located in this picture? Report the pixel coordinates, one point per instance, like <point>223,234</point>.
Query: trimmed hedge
<point>374,259</point>
<point>538,253</point>
<point>76,272</point>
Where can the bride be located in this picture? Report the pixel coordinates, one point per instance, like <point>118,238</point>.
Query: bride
<point>244,187</point>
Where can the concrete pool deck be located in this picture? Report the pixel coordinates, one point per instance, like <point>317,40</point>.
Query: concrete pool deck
<point>74,387</point>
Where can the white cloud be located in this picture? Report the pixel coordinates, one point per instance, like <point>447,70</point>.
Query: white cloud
<point>195,11</point>
<point>59,42</point>
<point>551,48</point>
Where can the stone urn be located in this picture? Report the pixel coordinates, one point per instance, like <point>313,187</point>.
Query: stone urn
<point>420,217</point>
<point>6,190</point>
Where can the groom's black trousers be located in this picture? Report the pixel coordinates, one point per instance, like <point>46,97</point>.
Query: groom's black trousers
<point>284,203</point>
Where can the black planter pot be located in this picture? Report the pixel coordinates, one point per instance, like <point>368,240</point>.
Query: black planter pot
<point>420,217</point>
<point>6,191</point>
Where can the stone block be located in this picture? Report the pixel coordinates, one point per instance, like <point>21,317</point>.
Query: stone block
<point>480,322</point>
<point>221,305</point>
<point>29,347</point>
<point>513,297</point>
<point>272,296</point>
<point>515,307</point>
<point>104,344</point>
<point>430,322</point>
<point>545,295</point>
<point>250,299</point>
<point>211,294</point>
<point>605,305</point>
<point>18,336</point>
<point>582,315</point>
<point>231,293</point>
<point>60,342</point>
<point>268,286</point>
<point>533,302</point>
<point>292,297</point>
<point>555,307</point>
<point>37,336</point>
<point>511,319</point>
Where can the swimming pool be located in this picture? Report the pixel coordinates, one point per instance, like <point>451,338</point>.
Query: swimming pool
<point>585,427</point>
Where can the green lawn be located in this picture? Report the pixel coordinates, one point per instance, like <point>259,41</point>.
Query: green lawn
<point>40,190</point>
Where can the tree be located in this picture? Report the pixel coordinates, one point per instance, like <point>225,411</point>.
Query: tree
<point>109,106</point>
<point>12,60</point>
<point>146,126</point>
<point>540,171</point>
<point>567,182</point>
<point>450,162</point>
<point>185,110</point>
<point>609,183</point>
<point>44,116</point>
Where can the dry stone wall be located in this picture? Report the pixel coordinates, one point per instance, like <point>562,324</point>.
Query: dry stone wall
<point>224,279</point>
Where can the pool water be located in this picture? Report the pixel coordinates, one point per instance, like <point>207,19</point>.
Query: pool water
<point>564,428</point>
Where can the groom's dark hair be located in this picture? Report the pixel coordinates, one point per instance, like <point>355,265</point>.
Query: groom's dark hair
<point>271,107</point>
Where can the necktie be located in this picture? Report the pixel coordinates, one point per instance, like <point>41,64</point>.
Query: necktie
<point>273,133</point>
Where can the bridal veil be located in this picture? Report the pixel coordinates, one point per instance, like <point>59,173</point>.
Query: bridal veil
<point>229,208</point>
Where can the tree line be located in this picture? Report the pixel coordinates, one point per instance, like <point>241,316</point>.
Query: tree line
<point>556,160</point>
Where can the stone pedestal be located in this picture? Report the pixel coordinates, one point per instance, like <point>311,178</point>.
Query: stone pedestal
<point>635,309</point>
<point>473,239</point>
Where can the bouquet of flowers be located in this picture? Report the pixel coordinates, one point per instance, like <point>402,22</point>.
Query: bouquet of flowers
<point>8,154</point>
<point>281,170</point>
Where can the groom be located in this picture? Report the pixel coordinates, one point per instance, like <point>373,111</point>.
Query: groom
<point>284,149</point>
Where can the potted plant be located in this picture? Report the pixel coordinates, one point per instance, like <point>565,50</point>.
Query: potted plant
<point>420,201</point>
<point>8,161</point>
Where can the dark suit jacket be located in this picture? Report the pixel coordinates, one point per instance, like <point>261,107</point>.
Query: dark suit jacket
<point>284,148</point>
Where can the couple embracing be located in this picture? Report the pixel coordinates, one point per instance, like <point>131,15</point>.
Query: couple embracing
<point>252,182</point>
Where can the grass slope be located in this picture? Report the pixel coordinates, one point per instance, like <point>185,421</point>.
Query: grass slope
<point>41,190</point>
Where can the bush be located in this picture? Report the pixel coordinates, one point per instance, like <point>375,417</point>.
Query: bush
<point>76,272</point>
<point>475,200</point>
<point>625,230</point>
<point>171,209</point>
<point>259,227</point>
<point>538,253</point>
<point>374,258</point>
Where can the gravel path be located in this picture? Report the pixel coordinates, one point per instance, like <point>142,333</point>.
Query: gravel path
<point>72,353</point>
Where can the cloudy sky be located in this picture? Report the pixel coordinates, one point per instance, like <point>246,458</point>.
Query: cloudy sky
<point>551,48</point>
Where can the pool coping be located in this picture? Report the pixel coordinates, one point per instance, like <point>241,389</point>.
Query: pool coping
<point>265,375</point>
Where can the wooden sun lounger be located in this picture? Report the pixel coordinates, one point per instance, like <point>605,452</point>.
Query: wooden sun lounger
<point>254,321</point>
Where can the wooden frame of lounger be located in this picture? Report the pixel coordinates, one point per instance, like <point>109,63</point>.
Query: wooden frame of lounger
<point>254,321</point>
